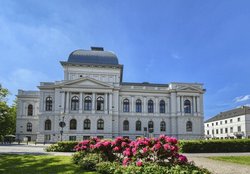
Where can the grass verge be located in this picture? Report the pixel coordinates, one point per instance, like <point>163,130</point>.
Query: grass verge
<point>233,159</point>
<point>34,164</point>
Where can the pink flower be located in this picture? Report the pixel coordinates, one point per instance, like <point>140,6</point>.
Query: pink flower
<point>124,144</point>
<point>166,147</point>
<point>144,150</point>
<point>106,143</point>
<point>116,149</point>
<point>139,163</point>
<point>182,159</point>
<point>157,146</point>
<point>125,161</point>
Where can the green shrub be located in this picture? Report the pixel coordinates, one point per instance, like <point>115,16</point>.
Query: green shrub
<point>76,157</point>
<point>107,167</point>
<point>89,162</point>
<point>215,146</point>
<point>64,146</point>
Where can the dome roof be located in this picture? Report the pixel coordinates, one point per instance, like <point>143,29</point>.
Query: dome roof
<point>94,56</point>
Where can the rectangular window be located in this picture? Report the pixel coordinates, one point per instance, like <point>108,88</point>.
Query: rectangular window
<point>207,132</point>
<point>220,122</point>
<point>239,128</point>
<point>216,123</point>
<point>221,131</point>
<point>226,130</point>
<point>239,119</point>
<point>72,138</point>
<point>212,124</point>
<point>47,137</point>
<point>225,121</point>
<point>217,131</point>
<point>231,120</point>
<point>86,137</point>
<point>231,129</point>
<point>207,125</point>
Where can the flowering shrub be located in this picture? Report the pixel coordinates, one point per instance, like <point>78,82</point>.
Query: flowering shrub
<point>163,149</point>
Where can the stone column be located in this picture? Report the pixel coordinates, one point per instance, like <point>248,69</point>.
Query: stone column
<point>105,103</point>
<point>93,102</point>
<point>198,105</point>
<point>80,103</point>
<point>178,104</point>
<point>110,103</point>
<point>181,105</point>
<point>157,105</point>
<point>145,105</point>
<point>67,102</point>
<point>132,104</point>
<point>63,102</point>
<point>173,104</point>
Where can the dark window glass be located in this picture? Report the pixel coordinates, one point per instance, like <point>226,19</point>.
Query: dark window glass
<point>30,110</point>
<point>87,104</point>
<point>187,106</point>
<point>138,125</point>
<point>150,126</point>
<point>138,105</point>
<point>100,104</point>
<point>126,125</point>
<point>163,126</point>
<point>72,124</point>
<point>29,127</point>
<point>86,124</point>
<point>125,105</point>
<point>72,138</point>
<point>100,124</point>
<point>162,106</point>
<point>189,126</point>
<point>74,103</point>
<point>48,105</point>
<point>150,106</point>
<point>47,125</point>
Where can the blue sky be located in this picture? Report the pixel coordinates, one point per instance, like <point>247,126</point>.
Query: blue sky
<point>157,41</point>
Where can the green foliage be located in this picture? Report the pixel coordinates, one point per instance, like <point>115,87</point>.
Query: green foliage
<point>215,146</point>
<point>149,168</point>
<point>64,146</point>
<point>233,159</point>
<point>7,115</point>
<point>76,158</point>
<point>107,167</point>
<point>89,161</point>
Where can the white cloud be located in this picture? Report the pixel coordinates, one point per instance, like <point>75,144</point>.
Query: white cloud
<point>242,98</point>
<point>175,56</point>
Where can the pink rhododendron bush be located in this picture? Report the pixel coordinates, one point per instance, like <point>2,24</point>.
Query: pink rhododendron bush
<point>124,152</point>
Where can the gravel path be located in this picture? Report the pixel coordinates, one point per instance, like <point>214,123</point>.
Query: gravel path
<point>219,167</point>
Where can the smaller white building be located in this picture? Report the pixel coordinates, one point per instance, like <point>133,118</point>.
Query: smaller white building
<point>231,124</point>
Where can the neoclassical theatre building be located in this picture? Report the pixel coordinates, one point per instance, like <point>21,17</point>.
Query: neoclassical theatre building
<point>93,100</point>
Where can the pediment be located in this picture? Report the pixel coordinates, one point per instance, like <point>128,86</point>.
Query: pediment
<point>86,82</point>
<point>189,88</point>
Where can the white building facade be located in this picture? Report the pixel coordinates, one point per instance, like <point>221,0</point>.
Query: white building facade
<point>92,100</point>
<point>230,124</point>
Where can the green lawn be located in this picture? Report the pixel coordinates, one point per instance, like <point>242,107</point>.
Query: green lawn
<point>234,159</point>
<point>38,164</point>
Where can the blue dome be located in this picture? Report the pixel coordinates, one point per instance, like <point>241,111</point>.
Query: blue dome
<point>93,57</point>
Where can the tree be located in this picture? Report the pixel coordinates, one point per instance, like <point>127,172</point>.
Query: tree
<point>7,115</point>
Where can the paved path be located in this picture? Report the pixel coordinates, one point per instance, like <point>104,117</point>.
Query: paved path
<point>219,167</point>
<point>200,159</point>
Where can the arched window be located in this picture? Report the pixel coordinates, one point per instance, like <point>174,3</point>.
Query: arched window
<point>72,124</point>
<point>48,105</point>
<point>47,125</point>
<point>100,104</point>
<point>125,105</point>
<point>87,103</point>
<point>74,103</point>
<point>100,124</point>
<point>138,105</point>
<point>86,124</point>
<point>189,126</point>
<point>162,106</point>
<point>187,106</point>
<point>163,126</point>
<point>138,125</point>
<point>29,127</point>
<point>150,126</point>
<point>30,110</point>
<point>125,125</point>
<point>150,106</point>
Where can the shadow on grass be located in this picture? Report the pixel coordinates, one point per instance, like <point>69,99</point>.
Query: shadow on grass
<point>17,164</point>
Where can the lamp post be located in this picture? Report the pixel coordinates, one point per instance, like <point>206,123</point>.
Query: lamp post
<point>62,124</point>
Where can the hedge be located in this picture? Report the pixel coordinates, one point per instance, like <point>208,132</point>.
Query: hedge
<point>64,146</point>
<point>215,146</point>
<point>186,146</point>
